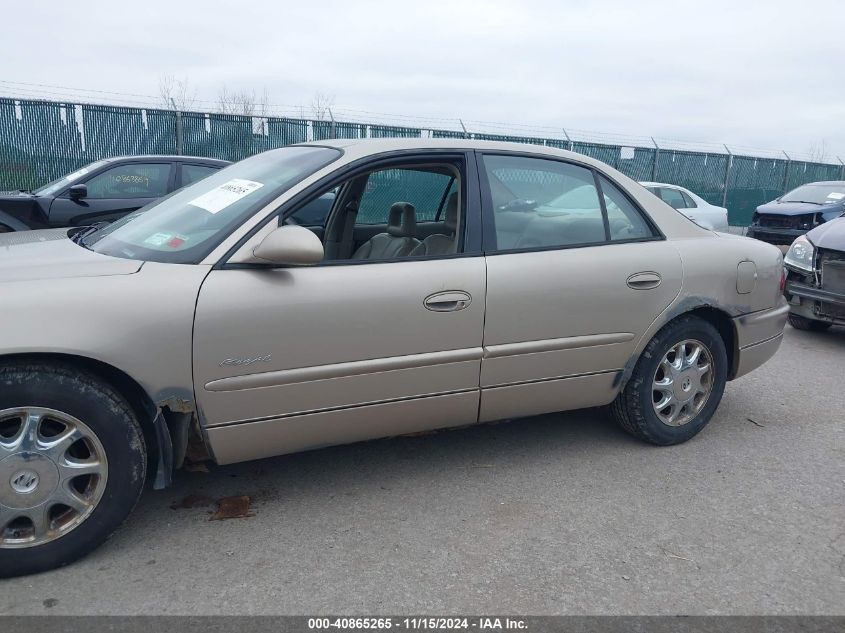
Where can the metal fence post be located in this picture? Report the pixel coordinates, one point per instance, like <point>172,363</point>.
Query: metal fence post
<point>654,164</point>
<point>464,128</point>
<point>568,140</point>
<point>727,178</point>
<point>786,172</point>
<point>334,125</point>
<point>179,142</point>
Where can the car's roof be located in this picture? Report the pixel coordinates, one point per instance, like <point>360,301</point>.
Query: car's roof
<point>360,148</point>
<point>646,183</point>
<point>834,183</point>
<point>179,157</point>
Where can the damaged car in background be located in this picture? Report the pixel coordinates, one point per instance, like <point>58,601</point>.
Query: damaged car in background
<point>793,214</point>
<point>815,284</point>
<point>443,283</point>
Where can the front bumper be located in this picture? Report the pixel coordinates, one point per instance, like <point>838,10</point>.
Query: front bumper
<point>758,337</point>
<point>815,303</point>
<point>774,235</point>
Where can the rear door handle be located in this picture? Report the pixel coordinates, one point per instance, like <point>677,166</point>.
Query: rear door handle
<point>644,280</point>
<point>449,301</point>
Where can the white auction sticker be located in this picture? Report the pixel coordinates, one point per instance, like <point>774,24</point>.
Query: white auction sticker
<point>836,196</point>
<point>226,194</point>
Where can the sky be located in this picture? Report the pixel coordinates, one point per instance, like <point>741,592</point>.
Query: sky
<point>766,75</point>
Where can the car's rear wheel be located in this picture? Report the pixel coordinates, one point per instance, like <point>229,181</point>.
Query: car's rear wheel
<point>803,323</point>
<point>72,465</point>
<point>676,384</point>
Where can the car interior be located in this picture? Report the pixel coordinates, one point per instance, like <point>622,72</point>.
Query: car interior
<point>386,214</point>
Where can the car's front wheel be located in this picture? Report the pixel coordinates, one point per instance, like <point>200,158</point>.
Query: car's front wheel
<point>803,323</point>
<point>676,384</point>
<point>72,465</point>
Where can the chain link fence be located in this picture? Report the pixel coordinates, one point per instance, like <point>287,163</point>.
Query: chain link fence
<point>43,140</point>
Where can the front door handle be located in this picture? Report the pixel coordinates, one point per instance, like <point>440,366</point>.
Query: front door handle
<point>449,301</point>
<point>644,280</point>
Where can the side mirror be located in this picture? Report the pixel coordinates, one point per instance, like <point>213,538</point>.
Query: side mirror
<point>294,245</point>
<point>77,192</point>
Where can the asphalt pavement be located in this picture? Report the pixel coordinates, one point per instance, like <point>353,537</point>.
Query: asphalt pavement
<point>559,514</point>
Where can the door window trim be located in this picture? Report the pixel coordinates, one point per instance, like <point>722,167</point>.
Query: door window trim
<point>488,214</point>
<point>472,238</point>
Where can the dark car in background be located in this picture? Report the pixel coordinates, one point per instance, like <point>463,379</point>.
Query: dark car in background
<point>815,281</point>
<point>102,191</point>
<point>779,222</point>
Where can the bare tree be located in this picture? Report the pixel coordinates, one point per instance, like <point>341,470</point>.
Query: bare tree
<point>818,152</point>
<point>176,93</point>
<point>321,104</point>
<point>244,102</point>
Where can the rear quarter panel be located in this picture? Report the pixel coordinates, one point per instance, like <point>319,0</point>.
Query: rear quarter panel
<point>710,269</point>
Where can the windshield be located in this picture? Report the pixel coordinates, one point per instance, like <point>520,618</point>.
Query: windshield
<point>52,187</point>
<point>184,227</point>
<point>816,193</point>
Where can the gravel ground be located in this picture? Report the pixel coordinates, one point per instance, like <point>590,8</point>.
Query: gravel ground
<point>559,514</point>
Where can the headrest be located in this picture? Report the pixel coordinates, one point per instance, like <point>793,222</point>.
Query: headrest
<point>402,221</point>
<point>451,217</point>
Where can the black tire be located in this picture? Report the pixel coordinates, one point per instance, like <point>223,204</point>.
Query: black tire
<point>116,426</point>
<point>810,325</point>
<point>633,407</point>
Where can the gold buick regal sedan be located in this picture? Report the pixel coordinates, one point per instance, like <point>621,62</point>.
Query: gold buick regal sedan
<point>340,291</point>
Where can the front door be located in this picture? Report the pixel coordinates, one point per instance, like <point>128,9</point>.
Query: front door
<point>362,346</point>
<point>576,274</point>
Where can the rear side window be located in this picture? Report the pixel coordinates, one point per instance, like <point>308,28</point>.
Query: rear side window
<point>673,197</point>
<point>539,203</point>
<point>134,180</point>
<point>624,219</point>
<point>689,201</point>
<point>192,173</point>
<point>423,189</point>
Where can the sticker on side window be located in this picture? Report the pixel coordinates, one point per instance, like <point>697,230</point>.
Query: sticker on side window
<point>226,194</point>
<point>835,196</point>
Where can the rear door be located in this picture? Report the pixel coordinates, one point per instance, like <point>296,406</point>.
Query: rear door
<point>113,192</point>
<point>576,273</point>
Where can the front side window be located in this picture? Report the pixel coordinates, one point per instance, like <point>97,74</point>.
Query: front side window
<point>184,227</point>
<point>395,213</point>
<point>135,180</point>
<point>541,203</point>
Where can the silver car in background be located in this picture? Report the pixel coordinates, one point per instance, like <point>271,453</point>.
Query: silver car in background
<point>691,205</point>
<point>451,282</point>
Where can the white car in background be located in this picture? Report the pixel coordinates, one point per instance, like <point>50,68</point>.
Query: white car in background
<point>694,207</point>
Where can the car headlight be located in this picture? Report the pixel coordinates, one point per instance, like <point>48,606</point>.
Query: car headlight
<point>800,254</point>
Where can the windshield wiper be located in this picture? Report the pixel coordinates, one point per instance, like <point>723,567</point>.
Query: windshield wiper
<point>803,202</point>
<point>81,235</point>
